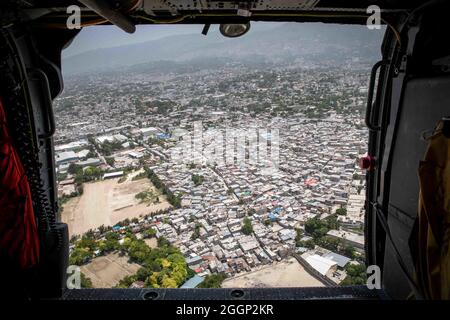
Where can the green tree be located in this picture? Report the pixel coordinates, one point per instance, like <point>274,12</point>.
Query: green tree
<point>356,275</point>
<point>196,233</point>
<point>110,161</point>
<point>247,227</point>
<point>85,281</point>
<point>91,154</point>
<point>342,211</point>
<point>197,179</point>
<point>138,251</point>
<point>74,169</point>
<point>298,235</point>
<point>316,228</point>
<point>79,256</point>
<point>112,241</point>
<point>213,281</point>
<point>310,244</point>
<point>149,233</point>
<point>168,282</point>
<point>349,251</point>
<point>329,243</point>
<point>163,242</point>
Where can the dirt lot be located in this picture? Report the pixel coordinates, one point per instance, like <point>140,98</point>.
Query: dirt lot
<point>108,202</point>
<point>151,242</point>
<point>107,271</point>
<point>283,274</point>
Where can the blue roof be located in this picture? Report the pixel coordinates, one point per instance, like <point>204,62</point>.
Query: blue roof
<point>277,210</point>
<point>163,135</point>
<point>193,282</point>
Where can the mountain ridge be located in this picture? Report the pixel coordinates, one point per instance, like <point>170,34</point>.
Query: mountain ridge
<point>318,42</point>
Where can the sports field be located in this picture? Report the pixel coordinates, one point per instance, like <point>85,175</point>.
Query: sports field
<point>107,271</point>
<point>108,202</point>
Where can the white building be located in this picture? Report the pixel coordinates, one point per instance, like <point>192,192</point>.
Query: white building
<point>111,175</point>
<point>149,132</point>
<point>66,157</point>
<point>321,264</point>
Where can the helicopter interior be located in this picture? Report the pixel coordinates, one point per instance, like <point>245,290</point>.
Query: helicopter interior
<point>408,95</point>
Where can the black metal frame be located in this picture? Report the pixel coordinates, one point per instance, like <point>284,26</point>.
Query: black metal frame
<point>326,293</point>
<point>48,49</point>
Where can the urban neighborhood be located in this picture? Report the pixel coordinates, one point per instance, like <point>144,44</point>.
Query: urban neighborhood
<point>214,176</point>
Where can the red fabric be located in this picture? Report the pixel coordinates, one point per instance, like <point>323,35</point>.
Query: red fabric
<point>18,233</point>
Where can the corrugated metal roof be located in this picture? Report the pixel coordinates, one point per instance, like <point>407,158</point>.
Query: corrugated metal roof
<point>193,282</point>
<point>319,263</point>
<point>340,259</point>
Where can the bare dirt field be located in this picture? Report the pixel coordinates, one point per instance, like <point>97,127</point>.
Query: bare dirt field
<point>108,202</point>
<point>151,242</point>
<point>282,274</point>
<point>107,271</point>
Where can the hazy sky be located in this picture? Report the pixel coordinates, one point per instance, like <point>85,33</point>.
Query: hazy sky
<point>91,38</point>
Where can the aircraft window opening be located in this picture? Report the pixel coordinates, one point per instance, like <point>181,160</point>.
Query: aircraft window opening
<point>210,162</point>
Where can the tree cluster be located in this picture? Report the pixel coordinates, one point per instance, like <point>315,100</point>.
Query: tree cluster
<point>162,267</point>
<point>356,275</point>
<point>247,227</point>
<point>108,147</point>
<point>213,281</point>
<point>197,179</point>
<point>174,200</point>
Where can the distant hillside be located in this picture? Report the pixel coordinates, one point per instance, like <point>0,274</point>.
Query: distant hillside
<point>316,42</point>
